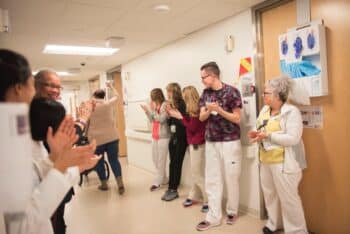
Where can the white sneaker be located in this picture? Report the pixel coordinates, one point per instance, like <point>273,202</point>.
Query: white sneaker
<point>205,225</point>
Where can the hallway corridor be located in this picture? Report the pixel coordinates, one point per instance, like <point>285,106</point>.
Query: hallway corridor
<point>139,211</point>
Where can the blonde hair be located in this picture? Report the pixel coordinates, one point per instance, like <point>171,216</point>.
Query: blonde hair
<point>175,90</point>
<point>191,98</point>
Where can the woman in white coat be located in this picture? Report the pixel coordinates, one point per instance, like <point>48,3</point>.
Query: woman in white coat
<point>53,174</point>
<point>282,158</point>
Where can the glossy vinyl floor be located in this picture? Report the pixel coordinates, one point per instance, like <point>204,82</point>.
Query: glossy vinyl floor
<point>139,211</point>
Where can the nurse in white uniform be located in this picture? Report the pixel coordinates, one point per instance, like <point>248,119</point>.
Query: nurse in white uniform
<point>282,158</point>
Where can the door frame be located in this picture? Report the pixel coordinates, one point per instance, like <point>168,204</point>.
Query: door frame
<point>259,69</point>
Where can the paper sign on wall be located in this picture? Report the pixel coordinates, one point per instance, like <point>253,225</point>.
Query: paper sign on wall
<point>246,84</point>
<point>312,116</point>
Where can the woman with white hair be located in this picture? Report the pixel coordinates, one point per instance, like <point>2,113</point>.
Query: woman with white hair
<point>282,157</point>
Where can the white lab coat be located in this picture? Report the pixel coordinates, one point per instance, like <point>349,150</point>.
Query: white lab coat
<point>290,138</point>
<point>49,188</point>
<point>280,181</point>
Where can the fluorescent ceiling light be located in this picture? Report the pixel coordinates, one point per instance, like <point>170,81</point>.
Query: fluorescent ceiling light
<point>79,50</point>
<point>63,73</point>
<point>59,73</point>
<point>161,8</point>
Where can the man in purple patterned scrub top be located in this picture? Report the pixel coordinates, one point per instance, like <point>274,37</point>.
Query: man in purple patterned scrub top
<point>220,106</point>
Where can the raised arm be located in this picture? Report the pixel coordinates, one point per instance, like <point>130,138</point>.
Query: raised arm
<point>115,94</point>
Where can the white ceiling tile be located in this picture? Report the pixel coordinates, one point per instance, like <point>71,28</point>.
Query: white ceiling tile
<point>115,4</point>
<point>89,22</point>
<point>35,16</point>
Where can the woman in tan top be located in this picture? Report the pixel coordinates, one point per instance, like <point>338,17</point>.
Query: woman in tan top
<point>103,128</point>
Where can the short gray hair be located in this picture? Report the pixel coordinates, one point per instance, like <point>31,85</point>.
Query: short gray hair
<point>41,77</point>
<point>281,87</point>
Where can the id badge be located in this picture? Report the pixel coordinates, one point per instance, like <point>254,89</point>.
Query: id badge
<point>173,128</point>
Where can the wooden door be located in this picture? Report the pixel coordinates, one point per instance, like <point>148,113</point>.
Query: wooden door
<point>120,115</point>
<point>325,187</point>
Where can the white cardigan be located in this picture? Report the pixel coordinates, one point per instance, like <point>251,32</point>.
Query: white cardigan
<point>49,188</point>
<point>290,138</point>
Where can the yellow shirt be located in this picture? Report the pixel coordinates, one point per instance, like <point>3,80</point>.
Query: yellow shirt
<point>275,155</point>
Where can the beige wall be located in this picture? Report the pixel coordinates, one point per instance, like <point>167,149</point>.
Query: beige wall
<point>325,188</point>
<point>180,62</point>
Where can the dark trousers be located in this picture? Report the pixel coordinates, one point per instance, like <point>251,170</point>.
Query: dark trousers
<point>57,220</point>
<point>177,150</point>
<point>111,148</point>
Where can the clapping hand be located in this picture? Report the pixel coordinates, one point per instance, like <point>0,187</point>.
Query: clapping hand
<point>168,107</point>
<point>81,156</point>
<point>63,139</point>
<point>145,108</point>
<point>213,106</point>
<point>90,160</point>
<point>85,109</point>
<point>174,113</point>
<point>256,136</point>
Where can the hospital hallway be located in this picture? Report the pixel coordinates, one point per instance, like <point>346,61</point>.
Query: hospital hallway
<point>139,211</point>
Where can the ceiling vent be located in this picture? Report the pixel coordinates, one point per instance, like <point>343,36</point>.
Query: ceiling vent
<point>114,42</point>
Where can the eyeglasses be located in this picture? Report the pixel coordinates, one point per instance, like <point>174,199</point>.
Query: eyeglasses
<point>52,86</point>
<point>204,77</point>
<point>266,93</point>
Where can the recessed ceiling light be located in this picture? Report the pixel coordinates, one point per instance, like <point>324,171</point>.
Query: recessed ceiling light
<point>162,8</point>
<point>79,50</point>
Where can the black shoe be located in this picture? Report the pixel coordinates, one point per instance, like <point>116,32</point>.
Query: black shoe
<point>171,195</point>
<point>165,194</point>
<point>267,230</point>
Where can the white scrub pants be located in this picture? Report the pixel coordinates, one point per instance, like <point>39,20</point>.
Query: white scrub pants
<point>159,156</point>
<point>281,196</point>
<point>197,171</point>
<point>223,168</point>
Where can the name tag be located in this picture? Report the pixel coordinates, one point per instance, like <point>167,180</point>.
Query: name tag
<point>269,146</point>
<point>173,128</point>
